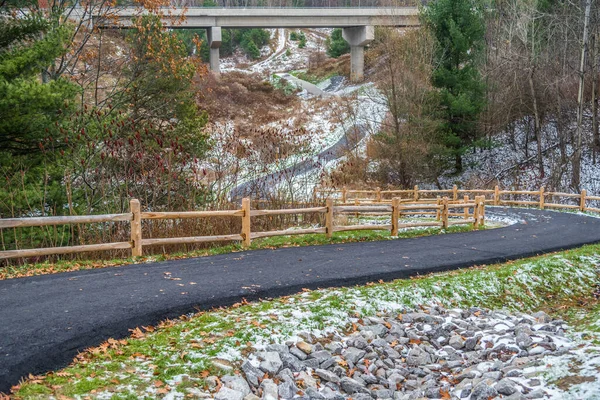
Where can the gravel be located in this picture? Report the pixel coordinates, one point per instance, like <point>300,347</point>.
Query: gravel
<point>431,353</point>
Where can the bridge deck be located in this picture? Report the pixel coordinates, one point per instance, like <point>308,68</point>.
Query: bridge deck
<point>281,17</point>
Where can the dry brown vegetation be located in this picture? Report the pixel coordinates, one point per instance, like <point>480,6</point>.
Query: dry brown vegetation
<point>243,98</point>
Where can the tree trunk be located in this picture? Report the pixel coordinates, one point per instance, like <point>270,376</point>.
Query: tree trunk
<point>562,143</point>
<point>576,180</point>
<point>458,163</point>
<point>595,94</point>
<point>536,126</point>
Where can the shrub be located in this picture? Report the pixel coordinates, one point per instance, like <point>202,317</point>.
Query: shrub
<point>336,45</point>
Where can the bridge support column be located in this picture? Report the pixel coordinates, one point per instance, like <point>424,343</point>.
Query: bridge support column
<point>358,37</point>
<point>214,43</point>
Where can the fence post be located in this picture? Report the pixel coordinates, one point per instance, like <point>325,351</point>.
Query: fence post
<point>438,213</point>
<point>445,213</point>
<point>136,228</point>
<point>466,209</point>
<point>542,198</point>
<point>476,213</point>
<point>497,195</point>
<point>395,215</point>
<point>246,222</point>
<point>416,189</point>
<point>329,218</point>
<point>344,194</point>
<point>378,195</point>
<point>482,211</point>
<point>454,192</point>
<point>582,200</point>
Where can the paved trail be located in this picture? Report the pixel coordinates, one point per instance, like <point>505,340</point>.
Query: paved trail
<point>46,320</point>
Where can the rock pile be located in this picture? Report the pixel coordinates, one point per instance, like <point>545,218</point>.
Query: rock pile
<point>431,353</point>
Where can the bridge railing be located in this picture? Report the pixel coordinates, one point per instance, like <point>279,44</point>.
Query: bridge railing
<point>472,212</point>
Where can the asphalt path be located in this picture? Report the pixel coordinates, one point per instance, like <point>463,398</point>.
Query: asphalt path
<point>46,320</point>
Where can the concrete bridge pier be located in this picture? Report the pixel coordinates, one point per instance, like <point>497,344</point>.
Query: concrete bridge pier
<point>214,43</point>
<point>358,37</point>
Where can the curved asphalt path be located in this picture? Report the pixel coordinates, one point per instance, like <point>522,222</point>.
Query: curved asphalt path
<point>46,320</point>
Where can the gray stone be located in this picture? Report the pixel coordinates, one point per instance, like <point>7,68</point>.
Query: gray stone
<point>226,393</point>
<point>237,383</point>
<point>457,342</point>
<point>252,373</point>
<point>279,348</point>
<point>271,362</point>
<point>334,347</point>
<point>307,379</point>
<point>251,396</point>
<point>411,384</point>
<point>433,393</point>
<point>523,340</point>
<point>321,355</point>
<point>352,386</point>
<point>353,354</point>
<point>536,351</point>
<point>361,396</point>
<point>378,330</point>
<point>506,387</point>
<point>495,375</point>
<point>482,391</point>
<point>416,356</point>
<point>536,394</point>
<point>327,364</point>
<point>382,393</point>
<point>291,362</point>
<point>391,353</point>
<point>513,373</point>
<point>471,343</point>
<point>541,317</point>
<point>313,393</point>
<point>331,394</point>
<point>311,363</point>
<point>270,390</point>
<point>515,396</point>
<point>534,382</point>
<point>327,375</point>
<point>298,353</point>
<point>357,341</point>
<point>287,390</point>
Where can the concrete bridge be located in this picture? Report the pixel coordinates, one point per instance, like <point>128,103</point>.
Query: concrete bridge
<point>357,24</point>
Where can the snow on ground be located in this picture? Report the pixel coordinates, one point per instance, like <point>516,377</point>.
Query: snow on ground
<point>349,108</point>
<point>505,162</point>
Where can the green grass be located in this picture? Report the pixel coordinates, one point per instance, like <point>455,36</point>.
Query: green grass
<point>562,284</point>
<point>17,271</point>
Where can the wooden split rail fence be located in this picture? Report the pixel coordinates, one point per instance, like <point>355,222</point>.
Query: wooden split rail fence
<point>396,209</point>
<point>537,198</point>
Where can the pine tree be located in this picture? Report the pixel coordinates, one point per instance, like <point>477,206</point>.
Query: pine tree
<point>459,28</point>
<point>30,105</point>
<point>336,45</point>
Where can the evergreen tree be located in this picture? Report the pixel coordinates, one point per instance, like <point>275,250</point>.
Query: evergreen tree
<point>251,49</point>
<point>459,29</point>
<point>302,42</point>
<point>336,44</point>
<point>30,104</point>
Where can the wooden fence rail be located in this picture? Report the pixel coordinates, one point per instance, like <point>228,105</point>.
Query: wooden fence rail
<point>538,198</point>
<point>396,209</point>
